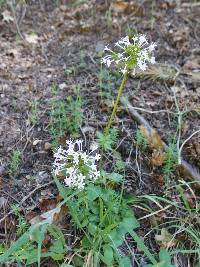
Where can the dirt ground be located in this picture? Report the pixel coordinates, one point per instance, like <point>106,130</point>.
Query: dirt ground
<point>60,44</point>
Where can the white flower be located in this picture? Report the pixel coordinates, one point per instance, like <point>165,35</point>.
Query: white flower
<point>97,157</point>
<point>73,161</point>
<point>70,171</point>
<point>142,65</point>
<point>94,146</point>
<point>124,70</point>
<point>142,39</point>
<point>123,42</point>
<point>136,53</point>
<point>152,60</point>
<point>152,47</point>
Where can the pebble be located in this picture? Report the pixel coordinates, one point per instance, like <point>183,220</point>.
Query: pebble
<point>47,146</point>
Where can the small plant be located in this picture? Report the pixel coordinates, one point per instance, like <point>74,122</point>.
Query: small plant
<point>99,212</point>
<point>141,140</point>
<point>65,115</point>
<point>33,116</point>
<point>14,162</point>
<point>108,144</point>
<point>170,160</point>
<point>120,165</point>
<point>22,225</point>
<point>74,113</point>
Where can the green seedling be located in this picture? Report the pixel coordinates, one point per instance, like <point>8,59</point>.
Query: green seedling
<point>14,162</point>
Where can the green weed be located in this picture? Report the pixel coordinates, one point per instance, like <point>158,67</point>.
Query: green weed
<point>33,116</point>
<point>22,225</point>
<point>107,143</point>
<point>14,162</point>
<point>170,161</point>
<point>65,115</point>
<point>141,140</point>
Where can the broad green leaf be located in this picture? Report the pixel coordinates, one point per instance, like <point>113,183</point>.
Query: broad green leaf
<point>125,262</point>
<point>108,255</point>
<point>57,247</point>
<point>130,223</point>
<point>93,192</point>
<point>117,237</point>
<point>85,243</point>
<point>57,256</point>
<point>115,177</point>
<point>92,228</point>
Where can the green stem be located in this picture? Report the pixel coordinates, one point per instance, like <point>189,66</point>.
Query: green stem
<point>115,106</point>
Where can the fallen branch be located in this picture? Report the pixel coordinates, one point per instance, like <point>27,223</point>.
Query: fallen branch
<point>188,168</point>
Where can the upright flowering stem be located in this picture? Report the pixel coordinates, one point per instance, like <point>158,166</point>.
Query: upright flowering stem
<point>115,105</point>
<point>135,53</point>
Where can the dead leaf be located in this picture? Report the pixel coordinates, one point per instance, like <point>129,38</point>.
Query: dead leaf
<point>7,16</point>
<point>154,139</point>
<point>47,204</point>
<point>165,239</point>
<point>158,157</point>
<point>47,217</point>
<point>55,215</point>
<point>119,6</point>
<point>192,64</point>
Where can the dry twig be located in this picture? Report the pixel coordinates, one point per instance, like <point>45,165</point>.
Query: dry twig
<point>188,168</point>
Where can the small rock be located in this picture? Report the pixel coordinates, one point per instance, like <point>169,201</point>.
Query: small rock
<point>47,146</point>
<point>35,142</point>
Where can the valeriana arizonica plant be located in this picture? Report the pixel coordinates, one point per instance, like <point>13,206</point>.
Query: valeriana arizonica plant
<point>129,55</point>
<point>76,166</point>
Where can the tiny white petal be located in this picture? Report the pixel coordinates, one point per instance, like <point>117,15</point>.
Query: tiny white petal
<point>152,47</point>
<point>152,60</point>
<point>142,39</point>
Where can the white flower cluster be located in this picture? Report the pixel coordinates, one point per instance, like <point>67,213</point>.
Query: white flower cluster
<point>136,52</point>
<point>77,166</point>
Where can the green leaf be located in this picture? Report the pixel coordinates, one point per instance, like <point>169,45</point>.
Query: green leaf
<point>117,236</point>
<point>85,243</point>
<point>108,255</point>
<point>130,223</point>
<point>125,262</point>
<point>92,228</point>
<point>57,256</point>
<point>31,256</point>
<point>93,192</point>
<point>115,177</point>
<point>15,247</point>
<point>57,247</point>
<point>165,258</point>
